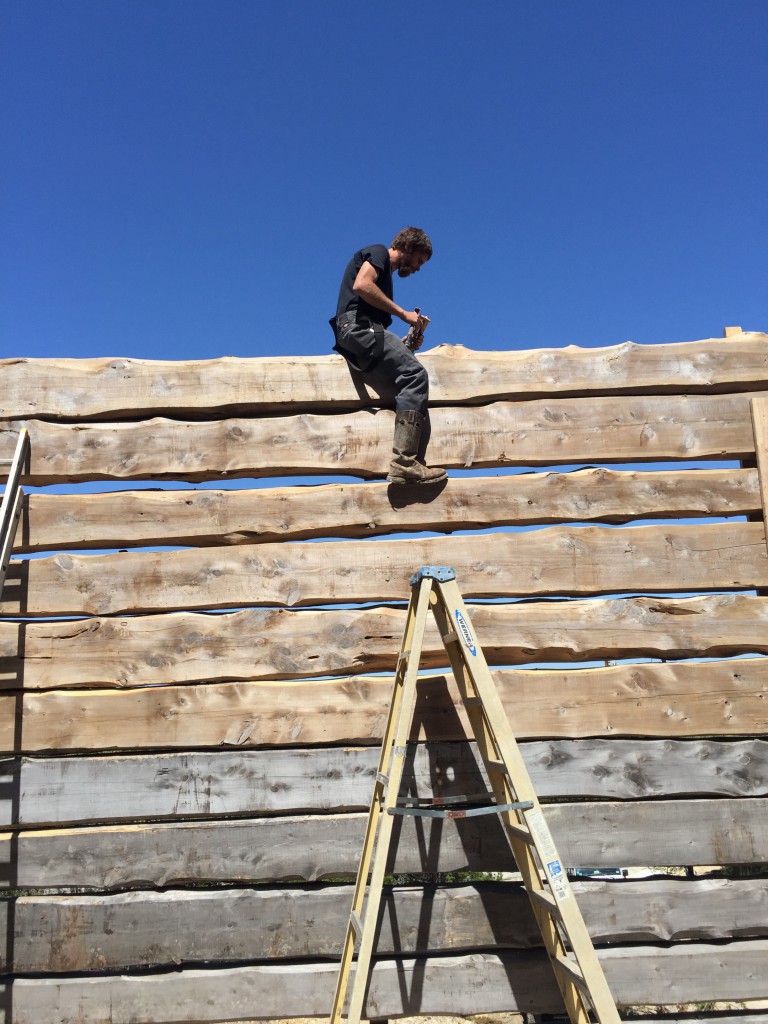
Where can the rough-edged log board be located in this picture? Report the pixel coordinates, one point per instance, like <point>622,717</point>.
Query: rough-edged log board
<point>96,388</point>
<point>145,518</point>
<point>661,700</point>
<point>479,983</point>
<point>77,790</point>
<point>556,560</point>
<point>537,433</point>
<point>314,847</point>
<point>182,647</point>
<point>61,934</point>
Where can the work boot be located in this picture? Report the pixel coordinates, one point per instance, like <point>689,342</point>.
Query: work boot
<point>406,467</point>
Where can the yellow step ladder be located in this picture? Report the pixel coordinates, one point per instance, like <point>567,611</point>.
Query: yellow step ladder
<point>13,498</point>
<point>576,968</point>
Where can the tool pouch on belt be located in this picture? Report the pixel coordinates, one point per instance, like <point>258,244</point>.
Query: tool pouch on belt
<point>361,342</point>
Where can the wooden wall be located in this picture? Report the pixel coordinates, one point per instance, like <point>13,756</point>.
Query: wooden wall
<point>194,679</point>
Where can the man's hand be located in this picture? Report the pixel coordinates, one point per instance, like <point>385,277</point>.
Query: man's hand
<point>412,317</point>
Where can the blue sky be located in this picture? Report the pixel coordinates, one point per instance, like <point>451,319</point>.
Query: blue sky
<point>187,178</point>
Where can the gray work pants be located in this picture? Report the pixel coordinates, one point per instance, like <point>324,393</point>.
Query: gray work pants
<point>388,366</point>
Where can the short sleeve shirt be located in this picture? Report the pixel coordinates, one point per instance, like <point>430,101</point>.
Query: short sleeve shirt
<point>378,257</point>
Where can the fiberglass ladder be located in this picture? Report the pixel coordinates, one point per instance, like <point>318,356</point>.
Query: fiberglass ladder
<point>10,511</point>
<point>577,970</point>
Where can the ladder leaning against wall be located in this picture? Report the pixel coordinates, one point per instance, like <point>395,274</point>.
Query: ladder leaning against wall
<point>10,511</point>
<point>577,970</point>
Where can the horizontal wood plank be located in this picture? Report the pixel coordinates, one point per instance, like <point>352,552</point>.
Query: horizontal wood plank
<point>94,388</point>
<point>194,517</point>
<point>71,790</point>
<point>725,698</point>
<point>60,934</point>
<point>182,647</point>
<point>479,983</point>
<point>557,560</point>
<point>535,433</point>
<point>316,847</point>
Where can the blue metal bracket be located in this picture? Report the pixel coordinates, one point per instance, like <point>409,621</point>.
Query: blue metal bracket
<point>441,573</point>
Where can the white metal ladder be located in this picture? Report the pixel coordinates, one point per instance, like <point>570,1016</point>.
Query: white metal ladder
<point>10,511</point>
<point>577,970</point>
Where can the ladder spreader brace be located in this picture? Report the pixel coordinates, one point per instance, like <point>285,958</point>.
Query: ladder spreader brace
<point>10,510</point>
<point>577,970</point>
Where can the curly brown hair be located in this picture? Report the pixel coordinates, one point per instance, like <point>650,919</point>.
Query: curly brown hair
<point>412,240</point>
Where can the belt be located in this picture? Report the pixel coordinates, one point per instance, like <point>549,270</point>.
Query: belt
<point>354,318</point>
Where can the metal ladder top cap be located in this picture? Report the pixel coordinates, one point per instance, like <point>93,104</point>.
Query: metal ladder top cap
<point>433,572</point>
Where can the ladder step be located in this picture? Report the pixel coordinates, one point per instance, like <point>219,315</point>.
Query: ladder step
<point>382,778</point>
<point>521,832</point>
<point>356,924</point>
<point>450,638</point>
<point>496,766</point>
<point>569,967</point>
<point>545,900</point>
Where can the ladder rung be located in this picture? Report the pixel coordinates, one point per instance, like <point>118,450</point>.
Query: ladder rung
<point>382,778</point>
<point>545,900</point>
<point>450,638</point>
<point>496,766</point>
<point>567,966</point>
<point>356,924</point>
<point>472,702</point>
<point>521,832</point>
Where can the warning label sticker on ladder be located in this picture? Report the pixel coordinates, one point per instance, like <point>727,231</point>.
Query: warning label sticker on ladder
<point>545,844</point>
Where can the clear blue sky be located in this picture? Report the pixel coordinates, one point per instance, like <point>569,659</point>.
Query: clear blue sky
<point>187,178</point>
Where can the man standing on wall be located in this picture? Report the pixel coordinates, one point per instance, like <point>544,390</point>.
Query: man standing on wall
<point>363,314</point>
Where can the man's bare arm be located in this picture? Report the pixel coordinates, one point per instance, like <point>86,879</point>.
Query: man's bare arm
<point>365,286</point>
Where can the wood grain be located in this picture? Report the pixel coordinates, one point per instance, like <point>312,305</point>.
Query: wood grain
<point>316,847</point>
<point>478,983</point>
<point>96,388</point>
<point>60,934</point>
<point>181,647</point>
<point>724,698</point>
<point>557,560</point>
<point>78,790</point>
<point>205,518</point>
<point>534,433</point>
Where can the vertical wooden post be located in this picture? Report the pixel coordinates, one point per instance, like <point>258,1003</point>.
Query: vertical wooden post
<point>759,407</point>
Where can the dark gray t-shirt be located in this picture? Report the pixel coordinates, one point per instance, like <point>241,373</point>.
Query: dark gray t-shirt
<point>378,256</point>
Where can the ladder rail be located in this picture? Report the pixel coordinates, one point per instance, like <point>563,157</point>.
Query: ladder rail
<point>380,823</point>
<point>13,497</point>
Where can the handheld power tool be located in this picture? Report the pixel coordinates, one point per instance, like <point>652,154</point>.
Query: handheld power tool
<point>415,334</point>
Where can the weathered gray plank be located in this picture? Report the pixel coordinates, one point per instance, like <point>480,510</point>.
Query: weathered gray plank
<point>95,388</point>
<point>266,644</point>
<point>136,518</point>
<point>725,698</point>
<point>555,560</point>
<point>311,848</point>
<point>61,934</point>
<point>74,790</point>
<point>631,428</point>
<point>479,983</point>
